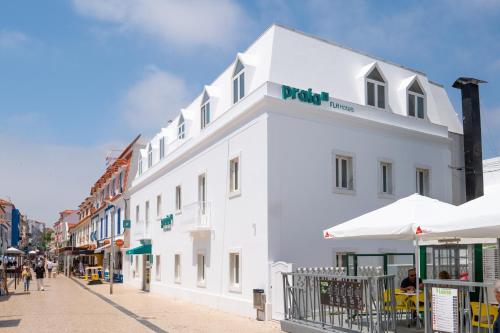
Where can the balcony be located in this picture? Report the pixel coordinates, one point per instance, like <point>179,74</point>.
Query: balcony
<point>142,231</point>
<point>195,218</point>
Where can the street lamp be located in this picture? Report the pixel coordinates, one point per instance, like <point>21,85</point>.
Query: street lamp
<point>112,259</point>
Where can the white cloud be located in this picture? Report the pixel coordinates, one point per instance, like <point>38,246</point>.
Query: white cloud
<point>153,100</point>
<point>43,179</point>
<point>185,23</point>
<point>10,38</point>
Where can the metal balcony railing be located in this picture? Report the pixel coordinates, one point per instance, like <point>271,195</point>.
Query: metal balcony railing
<point>142,230</point>
<point>196,217</point>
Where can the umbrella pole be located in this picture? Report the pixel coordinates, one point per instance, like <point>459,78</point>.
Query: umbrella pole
<point>417,270</point>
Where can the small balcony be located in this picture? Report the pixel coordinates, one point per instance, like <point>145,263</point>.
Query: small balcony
<point>141,231</point>
<point>196,218</point>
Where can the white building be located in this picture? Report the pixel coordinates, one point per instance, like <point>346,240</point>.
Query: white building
<point>491,172</point>
<point>296,135</point>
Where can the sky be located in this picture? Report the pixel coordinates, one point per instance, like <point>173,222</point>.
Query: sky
<point>79,78</point>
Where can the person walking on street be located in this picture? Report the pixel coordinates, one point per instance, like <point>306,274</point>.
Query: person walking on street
<point>50,265</point>
<point>26,275</point>
<point>39,272</point>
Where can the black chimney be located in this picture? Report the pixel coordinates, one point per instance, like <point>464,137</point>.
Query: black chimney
<point>473,150</point>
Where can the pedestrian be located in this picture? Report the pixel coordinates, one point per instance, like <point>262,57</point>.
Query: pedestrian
<point>26,276</point>
<point>80,268</point>
<point>39,272</point>
<point>50,265</point>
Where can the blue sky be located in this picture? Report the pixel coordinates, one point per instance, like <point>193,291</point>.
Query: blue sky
<point>80,77</point>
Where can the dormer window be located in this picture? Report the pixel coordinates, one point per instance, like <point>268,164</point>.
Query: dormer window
<point>162,147</point>
<point>238,82</point>
<point>181,128</point>
<point>139,167</point>
<point>205,111</point>
<point>375,89</point>
<point>150,156</point>
<point>416,101</point>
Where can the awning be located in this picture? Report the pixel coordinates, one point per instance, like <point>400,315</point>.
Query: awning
<point>100,249</point>
<point>143,249</point>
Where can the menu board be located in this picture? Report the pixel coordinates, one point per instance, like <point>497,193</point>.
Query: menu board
<point>445,310</point>
<point>344,294</point>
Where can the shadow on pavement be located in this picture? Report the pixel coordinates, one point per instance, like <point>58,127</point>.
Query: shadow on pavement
<point>10,323</point>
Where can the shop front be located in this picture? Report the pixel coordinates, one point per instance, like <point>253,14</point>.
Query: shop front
<point>143,254</point>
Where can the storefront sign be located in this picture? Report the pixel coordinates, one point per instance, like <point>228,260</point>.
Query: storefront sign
<point>166,222</point>
<point>119,242</point>
<point>126,224</point>
<point>306,96</point>
<point>344,294</point>
<point>445,310</point>
<point>340,106</point>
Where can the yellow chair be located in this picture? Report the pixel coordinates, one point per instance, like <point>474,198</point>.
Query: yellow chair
<point>412,302</point>
<point>483,321</point>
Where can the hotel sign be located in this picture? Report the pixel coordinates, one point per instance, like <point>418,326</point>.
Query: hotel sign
<point>166,222</point>
<point>308,96</point>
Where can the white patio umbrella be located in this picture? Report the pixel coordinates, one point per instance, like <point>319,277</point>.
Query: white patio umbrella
<point>397,221</point>
<point>32,252</point>
<point>478,218</point>
<point>13,250</point>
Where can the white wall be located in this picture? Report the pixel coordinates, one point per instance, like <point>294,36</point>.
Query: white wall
<point>302,202</point>
<point>239,223</point>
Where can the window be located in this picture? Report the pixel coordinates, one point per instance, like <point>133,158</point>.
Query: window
<point>118,222</point>
<point>177,268</point>
<point>139,167</point>
<point>344,178</point>
<point>234,176</point>
<point>158,205</point>
<point>202,193</point>
<point>205,111</point>
<point>181,128</point>
<point>235,271</point>
<point>113,187</point>
<point>238,82</point>
<point>107,226</point>
<point>136,271</point>
<point>416,101</point>
<point>386,186</point>
<point>201,269</point>
<point>162,147</point>
<point>146,217</point>
<point>137,216</point>
<point>178,199</point>
<point>150,156</point>
<point>158,268</point>
<point>375,89</point>
<point>102,231</point>
<point>422,181</point>
<point>121,182</point>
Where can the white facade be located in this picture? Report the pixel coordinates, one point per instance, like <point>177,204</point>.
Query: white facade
<point>491,172</point>
<point>301,167</point>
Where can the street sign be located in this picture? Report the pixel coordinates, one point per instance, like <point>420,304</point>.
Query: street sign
<point>126,224</point>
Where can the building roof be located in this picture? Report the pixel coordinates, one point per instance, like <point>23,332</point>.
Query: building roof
<point>4,202</point>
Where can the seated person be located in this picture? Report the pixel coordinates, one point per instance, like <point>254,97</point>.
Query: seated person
<point>409,284</point>
<point>444,275</point>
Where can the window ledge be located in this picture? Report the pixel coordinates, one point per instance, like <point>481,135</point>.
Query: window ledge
<point>340,190</point>
<point>235,289</point>
<point>178,212</point>
<point>177,282</point>
<point>201,284</point>
<point>383,195</point>
<point>234,194</point>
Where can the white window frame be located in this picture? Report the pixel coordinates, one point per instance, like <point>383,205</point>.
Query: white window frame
<point>205,115</point>
<point>233,286</point>
<point>416,95</point>
<point>162,147</point>
<point>391,187</point>
<point>351,161</point>
<point>376,84</point>
<point>137,213</point>
<point>202,192</point>
<point>201,271</point>
<point>139,166</point>
<point>147,212</point>
<point>427,180</point>
<point>234,192</point>
<point>181,128</point>
<point>159,208</point>
<point>178,199</point>
<point>158,267</point>
<point>178,268</point>
<point>238,83</point>
<point>150,156</point>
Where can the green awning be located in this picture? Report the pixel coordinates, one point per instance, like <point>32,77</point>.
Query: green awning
<point>143,249</point>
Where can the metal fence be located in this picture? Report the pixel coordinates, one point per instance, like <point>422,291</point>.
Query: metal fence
<point>472,309</point>
<point>329,301</point>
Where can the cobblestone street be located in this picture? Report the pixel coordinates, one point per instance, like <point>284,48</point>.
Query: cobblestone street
<point>67,305</point>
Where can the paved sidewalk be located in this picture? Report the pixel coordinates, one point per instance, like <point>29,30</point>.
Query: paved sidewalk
<point>69,305</point>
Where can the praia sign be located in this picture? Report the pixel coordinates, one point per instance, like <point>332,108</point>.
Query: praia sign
<point>306,96</point>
